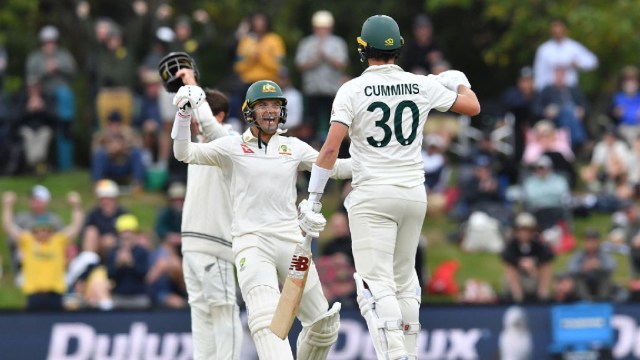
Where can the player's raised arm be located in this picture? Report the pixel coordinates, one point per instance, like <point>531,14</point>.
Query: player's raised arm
<point>467,102</point>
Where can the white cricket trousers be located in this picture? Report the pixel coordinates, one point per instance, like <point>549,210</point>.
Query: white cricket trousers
<point>215,318</point>
<point>386,222</point>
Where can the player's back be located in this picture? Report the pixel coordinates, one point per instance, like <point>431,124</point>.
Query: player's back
<point>386,109</point>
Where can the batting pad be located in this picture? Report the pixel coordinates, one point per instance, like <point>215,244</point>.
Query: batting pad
<point>315,340</point>
<point>261,304</point>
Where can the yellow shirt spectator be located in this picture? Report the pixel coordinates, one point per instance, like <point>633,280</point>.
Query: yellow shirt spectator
<point>44,263</point>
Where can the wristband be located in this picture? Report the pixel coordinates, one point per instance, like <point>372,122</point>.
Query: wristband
<point>318,181</point>
<point>181,126</point>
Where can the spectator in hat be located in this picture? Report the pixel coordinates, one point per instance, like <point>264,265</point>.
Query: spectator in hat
<point>321,59</point>
<point>127,265</point>
<point>593,269</point>
<point>43,250</point>
<point>117,157</point>
<point>419,54</point>
<point>169,220</point>
<point>53,65</point>
<point>528,263</point>
<point>546,193</point>
<point>164,37</point>
<point>193,34</point>
<point>99,233</point>
<point>165,277</point>
<point>39,198</point>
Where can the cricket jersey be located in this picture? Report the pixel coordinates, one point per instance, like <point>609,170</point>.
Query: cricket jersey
<point>385,109</point>
<point>262,180</point>
<point>206,214</point>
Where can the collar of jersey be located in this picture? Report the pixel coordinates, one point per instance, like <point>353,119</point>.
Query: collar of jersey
<point>383,68</point>
<point>247,136</point>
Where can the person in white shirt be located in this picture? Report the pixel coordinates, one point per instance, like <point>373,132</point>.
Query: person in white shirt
<point>261,168</point>
<point>384,111</point>
<point>561,51</point>
<point>207,259</point>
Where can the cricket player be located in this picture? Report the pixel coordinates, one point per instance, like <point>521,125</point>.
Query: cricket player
<point>384,111</point>
<point>261,167</point>
<point>207,259</point>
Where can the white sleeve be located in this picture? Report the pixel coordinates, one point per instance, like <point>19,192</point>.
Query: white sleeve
<point>212,153</point>
<point>585,59</point>
<point>342,109</point>
<point>210,126</point>
<point>440,98</point>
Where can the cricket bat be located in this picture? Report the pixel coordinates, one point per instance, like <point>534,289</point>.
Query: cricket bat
<point>292,290</point>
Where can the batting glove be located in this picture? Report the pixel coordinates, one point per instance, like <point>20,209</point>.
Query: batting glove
<point>189,96</point>
<point>310,220</point>
<point>451,79</point>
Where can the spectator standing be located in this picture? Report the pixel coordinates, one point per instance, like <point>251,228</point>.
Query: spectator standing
<point>419,55</point>
<point>321,58</point>
<point>561,51</point>
<point>593,270</point>
<point>528,263</point>
<point>44,252</point>
<point>260,53</point>
<point>39,199</point>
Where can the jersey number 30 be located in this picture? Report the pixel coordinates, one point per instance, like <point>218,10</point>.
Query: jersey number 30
<point>397,123</point>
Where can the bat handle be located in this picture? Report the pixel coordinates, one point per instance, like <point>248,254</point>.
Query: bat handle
<point>307,242</point>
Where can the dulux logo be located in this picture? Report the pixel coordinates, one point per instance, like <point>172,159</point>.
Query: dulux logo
<point>436,344</point>
<point>79,341</point>
<point>628,339</point>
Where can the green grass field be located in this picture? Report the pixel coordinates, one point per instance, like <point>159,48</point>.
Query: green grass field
<point>482,266</point>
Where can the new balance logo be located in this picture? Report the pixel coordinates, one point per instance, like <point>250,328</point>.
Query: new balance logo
<point>299,263</point>
<point>246,149</point>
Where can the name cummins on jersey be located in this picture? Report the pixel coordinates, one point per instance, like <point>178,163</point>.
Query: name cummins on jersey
<point>386,109</point>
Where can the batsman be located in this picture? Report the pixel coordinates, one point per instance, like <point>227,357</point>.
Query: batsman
<point>261,166</point>
<point>384,111</point>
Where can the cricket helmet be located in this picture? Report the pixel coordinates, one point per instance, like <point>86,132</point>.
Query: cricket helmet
<point>264,90</point>
<point>169,66</point>
<point>380,36</point>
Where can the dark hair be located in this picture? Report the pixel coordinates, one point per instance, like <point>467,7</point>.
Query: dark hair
<point>218,101</point>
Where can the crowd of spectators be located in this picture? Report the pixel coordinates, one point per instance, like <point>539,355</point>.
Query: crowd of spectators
<point>514,184</point>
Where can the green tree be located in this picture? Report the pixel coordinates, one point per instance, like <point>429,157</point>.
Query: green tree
<point>506,33</point>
